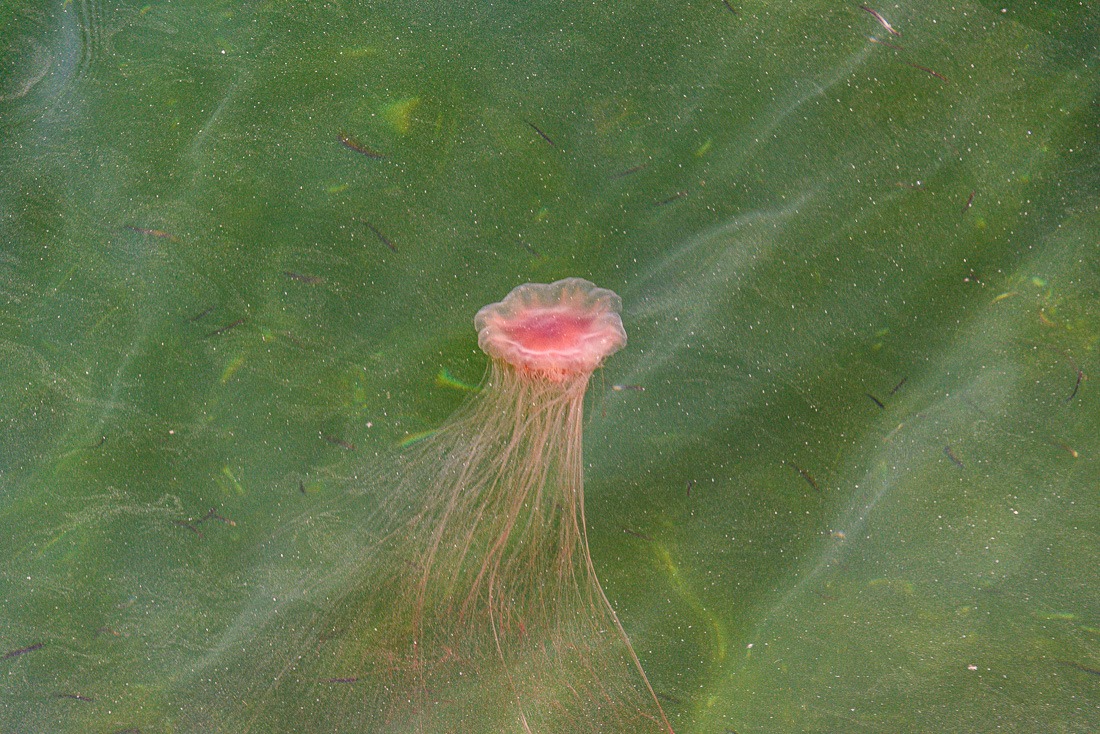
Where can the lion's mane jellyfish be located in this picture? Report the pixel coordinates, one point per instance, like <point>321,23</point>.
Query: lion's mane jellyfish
<point>481,610</point>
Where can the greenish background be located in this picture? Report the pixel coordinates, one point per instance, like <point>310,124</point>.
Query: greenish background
<point>859,491</point>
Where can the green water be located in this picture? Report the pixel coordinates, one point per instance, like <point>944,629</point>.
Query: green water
<point>858,491</point>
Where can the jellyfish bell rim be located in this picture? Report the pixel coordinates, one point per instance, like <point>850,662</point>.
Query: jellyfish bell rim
<point>554,330</point>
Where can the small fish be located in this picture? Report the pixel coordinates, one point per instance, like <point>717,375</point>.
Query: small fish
<point>636,534</point>
<point>951,455</point>
<point>678,195</point>
<point>630,171</point>
<point>352,144</point>
<point>730,7</point>
<point>189,526</point>
<point>303,278</point>
<point>159,233</point>
<point>1065,447</point>
<point>543,135</point>
<point>213,515</point>
<point>76,697</point>
<point>23,650</point>
<point>1082,668</point>
<point>969,201</point>
<point>527,246</point>
<point>1080,374</point>
<point>1076,385</point>
<point>338,442</point>
<point>227,327</point>
<point>381,237</point>
<point>201,314</point>
<point>887,44</point>
<point>292,339</point>
<point>806,475</point>
<point>882,21</point>
<point>876,401</point>
<point>897,387</point>
<point>929,71</point>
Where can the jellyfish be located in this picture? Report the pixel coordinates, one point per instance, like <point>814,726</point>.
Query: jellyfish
<point>479,609</point>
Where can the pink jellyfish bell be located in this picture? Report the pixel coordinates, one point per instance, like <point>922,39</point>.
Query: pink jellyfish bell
<point>553,331</point>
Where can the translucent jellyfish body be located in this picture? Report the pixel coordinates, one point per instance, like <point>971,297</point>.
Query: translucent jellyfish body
<point>479,610</point>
